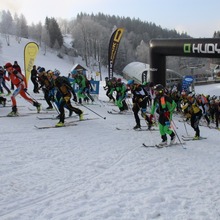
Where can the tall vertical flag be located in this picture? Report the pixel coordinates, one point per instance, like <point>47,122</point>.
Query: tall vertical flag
<point>113,48</point>
<point>30,52</point>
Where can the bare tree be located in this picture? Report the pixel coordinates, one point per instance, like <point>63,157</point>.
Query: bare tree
<point>142,52</point>
<point>88,37</point>
<point>46,39</point>
<point>6,25</point>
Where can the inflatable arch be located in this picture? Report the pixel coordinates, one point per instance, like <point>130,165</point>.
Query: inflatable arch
<point>160,48</point>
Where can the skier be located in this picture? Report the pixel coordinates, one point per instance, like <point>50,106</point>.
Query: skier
<point>46,85</point>
<point>84,87</point>
<point>18,68</point>
<point>2,81</point>
<point>19,81</point>
<point>194,113</point>
<point>121,94</point>
<point>34,79</point>
<point>108,86</point>
<point>139,99</point>
<point>66,92</point>
<point>165,107</point>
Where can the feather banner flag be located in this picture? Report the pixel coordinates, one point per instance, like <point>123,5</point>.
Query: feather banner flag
<point>30,52</point>
<point>113,48</point>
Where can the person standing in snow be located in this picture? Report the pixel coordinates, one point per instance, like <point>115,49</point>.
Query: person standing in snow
<point>19,81</point>
<point>2,81</point>
<point>18,68</point>
<point>34,79</point>
<point>84,87</point>
<point>164,106</point>
<point>139,99</point>
<point>66,92</point>
<point>194,113</point>
<point>121,94</point>
<point>46,85</point>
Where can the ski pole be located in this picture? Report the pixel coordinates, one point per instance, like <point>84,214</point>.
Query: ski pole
<point>55,106</point>
<point>92,111</point>
<point>185,128</point>
<point>30,95</point>
<point>174,124</point>
<point>179,139</point>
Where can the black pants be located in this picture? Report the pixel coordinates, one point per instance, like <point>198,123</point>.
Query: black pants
<point>65,101</point>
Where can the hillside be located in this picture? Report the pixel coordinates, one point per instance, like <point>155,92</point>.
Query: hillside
<point>50,61</point>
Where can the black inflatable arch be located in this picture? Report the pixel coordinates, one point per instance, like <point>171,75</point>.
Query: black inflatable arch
<point>160,48</point>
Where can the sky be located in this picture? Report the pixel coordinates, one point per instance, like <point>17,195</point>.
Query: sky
<point>198,18</point>
<point>92,171</point>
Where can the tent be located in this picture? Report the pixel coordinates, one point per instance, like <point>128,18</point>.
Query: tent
<point>137,71</point>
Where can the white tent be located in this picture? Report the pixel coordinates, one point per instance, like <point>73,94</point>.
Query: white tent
<point>135,70</point>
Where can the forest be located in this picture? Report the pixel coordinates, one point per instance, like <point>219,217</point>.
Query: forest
<point>90,38</point>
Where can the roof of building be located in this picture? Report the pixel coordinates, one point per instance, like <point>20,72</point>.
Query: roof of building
<point>135,69</point>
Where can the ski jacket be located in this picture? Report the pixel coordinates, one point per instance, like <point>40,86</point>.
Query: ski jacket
<point>139,93</point>
<point>164,106</point>
<point>17,78</point>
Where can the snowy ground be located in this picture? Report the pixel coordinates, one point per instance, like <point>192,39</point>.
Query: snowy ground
<point>93,171</point>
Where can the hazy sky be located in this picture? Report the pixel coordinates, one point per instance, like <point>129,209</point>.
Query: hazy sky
<point>196,17</point>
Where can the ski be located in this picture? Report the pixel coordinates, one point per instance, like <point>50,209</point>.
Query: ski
<point>94,104</point>
<point>43,110</point>
<point>85,119</point>
<point>16,116</point>
<point>191,138</point>
<point>167,145</point>
<point>119,113</point>
<point>54,126</point>
<point>140,129</point>
<point>109,103</point>
<point>53,117</point>
<point>67,124</point>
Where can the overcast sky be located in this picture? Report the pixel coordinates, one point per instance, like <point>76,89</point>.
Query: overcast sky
<point>197,18</point>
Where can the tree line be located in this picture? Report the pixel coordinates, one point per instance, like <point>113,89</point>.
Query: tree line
<point>90,37</point>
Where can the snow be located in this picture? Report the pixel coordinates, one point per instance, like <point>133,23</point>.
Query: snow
<point>93,171</point>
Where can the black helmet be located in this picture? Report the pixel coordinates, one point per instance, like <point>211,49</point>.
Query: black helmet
<point>159,89</point>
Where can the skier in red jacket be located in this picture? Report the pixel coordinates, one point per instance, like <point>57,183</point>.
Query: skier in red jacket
<point>19,81</point>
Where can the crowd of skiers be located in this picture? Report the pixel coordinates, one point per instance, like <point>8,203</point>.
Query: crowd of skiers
<point>154,102</point>
<point>150,99</point>
<point>57,90</point>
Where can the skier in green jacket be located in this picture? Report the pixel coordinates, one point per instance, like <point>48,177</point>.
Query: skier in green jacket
<point>164,106</point>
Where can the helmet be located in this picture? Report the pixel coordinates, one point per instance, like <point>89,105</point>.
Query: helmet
<point>41,69</point>
<point>191,95</point>
<point>50,73</point>
<point>7,65</point>
<point>119,80</point>
<point>130,82</point>
<point>159,88</point>
<point>56,72</point>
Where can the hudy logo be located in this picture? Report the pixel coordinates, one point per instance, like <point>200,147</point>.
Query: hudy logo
<point>208,48</point>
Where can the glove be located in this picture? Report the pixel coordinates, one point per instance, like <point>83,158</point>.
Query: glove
<point>167,114</point>
<point>52,98</point>
<point>167,123</point>
<point>151,118</point>
<point>25,89</point>
<point>140,100</point>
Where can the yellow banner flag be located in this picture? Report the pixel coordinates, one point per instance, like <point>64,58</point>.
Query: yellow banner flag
<point>30,52</point>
